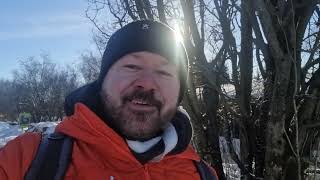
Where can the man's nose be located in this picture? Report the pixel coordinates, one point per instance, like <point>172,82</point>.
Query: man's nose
<point>147,81</point>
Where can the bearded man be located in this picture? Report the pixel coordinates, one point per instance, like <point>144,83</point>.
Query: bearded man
<point>125,125</point>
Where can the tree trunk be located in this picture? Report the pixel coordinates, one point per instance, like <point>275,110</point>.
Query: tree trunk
<point>211,102</point>
<point>139,6</point>
<point>246,128</point>
<point>161,11</point>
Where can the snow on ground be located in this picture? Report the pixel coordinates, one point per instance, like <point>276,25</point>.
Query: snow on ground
<point>257,89</point>
<point>9,132</point>
<point>313,173</point>
<point>44,127</point>
<point>230,168</point>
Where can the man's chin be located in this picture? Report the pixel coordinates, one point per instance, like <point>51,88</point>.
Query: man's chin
<point>140,125</point>
<point>140,117</point>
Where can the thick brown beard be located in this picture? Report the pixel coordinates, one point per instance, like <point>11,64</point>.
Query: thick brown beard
<point>136,125</point>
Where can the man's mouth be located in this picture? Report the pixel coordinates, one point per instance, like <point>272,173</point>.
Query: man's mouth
<point>141,105</point>
<point>140,102</point>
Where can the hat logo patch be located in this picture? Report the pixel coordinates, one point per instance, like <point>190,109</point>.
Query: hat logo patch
<point>145,26</point>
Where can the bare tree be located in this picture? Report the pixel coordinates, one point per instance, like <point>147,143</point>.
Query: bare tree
<point>42,88</point>
<point>277,128</point>
<point>89,67</point>
<point>8,108</point>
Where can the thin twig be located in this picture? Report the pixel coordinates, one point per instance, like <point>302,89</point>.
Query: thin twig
<point>295,92</point>
<point>289,142</point>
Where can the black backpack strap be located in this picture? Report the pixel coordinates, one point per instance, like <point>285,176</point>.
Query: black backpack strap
<point>52,158</point>
<point>32,173</point>
<point>204,171</point>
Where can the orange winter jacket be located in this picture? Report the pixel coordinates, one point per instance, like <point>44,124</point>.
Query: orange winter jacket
<point>98,153</point>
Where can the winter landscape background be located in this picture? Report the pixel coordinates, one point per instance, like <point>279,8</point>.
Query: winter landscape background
<point>254,73</point>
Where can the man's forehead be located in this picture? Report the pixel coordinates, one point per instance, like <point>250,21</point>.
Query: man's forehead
<point>146,56</point>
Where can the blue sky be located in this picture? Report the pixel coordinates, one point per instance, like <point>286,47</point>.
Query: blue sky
<point>33,27</point>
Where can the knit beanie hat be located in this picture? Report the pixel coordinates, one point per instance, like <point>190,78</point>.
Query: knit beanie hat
<point>146,35</point>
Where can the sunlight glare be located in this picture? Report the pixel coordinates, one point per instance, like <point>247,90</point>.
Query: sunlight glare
<point>177,33</point>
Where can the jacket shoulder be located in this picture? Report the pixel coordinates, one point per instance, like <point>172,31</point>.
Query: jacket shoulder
<point>17,155</point>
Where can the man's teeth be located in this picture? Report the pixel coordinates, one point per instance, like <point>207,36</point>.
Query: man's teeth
<point>139,102</point>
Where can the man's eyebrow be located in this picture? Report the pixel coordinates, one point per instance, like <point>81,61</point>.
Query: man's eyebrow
<point>137,56</point>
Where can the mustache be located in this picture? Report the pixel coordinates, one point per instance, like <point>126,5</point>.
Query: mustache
<point>147,96</point>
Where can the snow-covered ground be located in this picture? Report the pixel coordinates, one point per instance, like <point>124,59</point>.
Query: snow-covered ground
<point>44,127</point>
<point>9,132</point>
<point>230,168</point>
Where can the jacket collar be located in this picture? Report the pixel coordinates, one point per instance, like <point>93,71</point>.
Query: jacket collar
<point>85,126</point>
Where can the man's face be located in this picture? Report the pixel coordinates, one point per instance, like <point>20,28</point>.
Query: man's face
<point>140,92</point>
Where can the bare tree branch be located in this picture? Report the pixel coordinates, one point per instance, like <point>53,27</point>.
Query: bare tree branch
<point>262,71</point>
<point>116,12</point>
<point>311,60</point>
<point>202,17</point>
<point>129,10</point>
<point>148,9</point>
<point>269,31</point>
<point>161,11</point>
<point>93,20</point>
<point>139,6</point>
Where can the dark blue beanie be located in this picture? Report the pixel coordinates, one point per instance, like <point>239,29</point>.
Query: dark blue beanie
<point>146,35</point>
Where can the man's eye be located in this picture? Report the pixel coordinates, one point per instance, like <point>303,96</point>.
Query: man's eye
<point>165,73</point>
<point>132,67</point>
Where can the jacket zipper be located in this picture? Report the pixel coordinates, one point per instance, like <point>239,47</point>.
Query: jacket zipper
<point>146,172</point>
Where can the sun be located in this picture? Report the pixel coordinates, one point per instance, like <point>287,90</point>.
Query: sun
<point>177,31</point>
